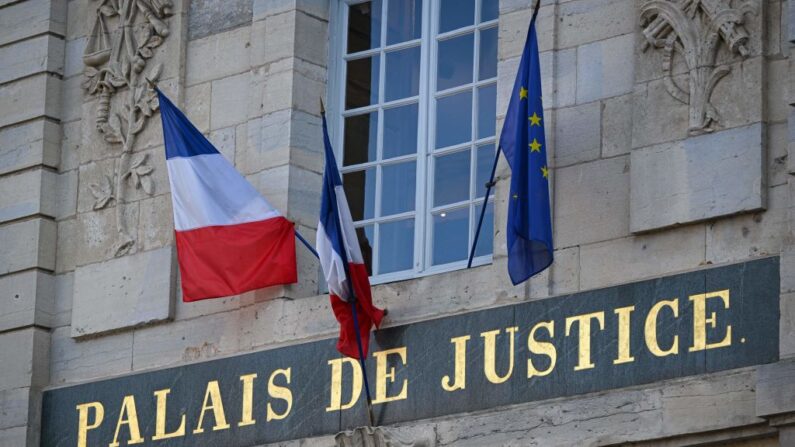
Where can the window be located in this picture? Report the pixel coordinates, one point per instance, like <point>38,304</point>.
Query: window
<point>415,129</point>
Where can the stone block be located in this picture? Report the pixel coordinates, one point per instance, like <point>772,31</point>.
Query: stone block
<point>15,408</point>
<point>28,57</point>
<point>699,178</point>
<point>774,392</point>
<point>70,146</point>
<point>773,30</point>
<point>513,31</point>
<point>597,193</point>
<point>584,21</point>
<point>566,271</point>
<point>30,18</point>
<point>639,257</point>
<point>80,360</point>
<point>27,300</point>
<point>66,251</point>
<point>197,105</point>
<point>14,436</point>
<point>96,234</point>
<point>565,78</point>
<point>72,96</point>
<point>28,193</point>
<point>207,17</point>
<point>217,56</point>
<point>156,223</point>
<point>578,134</point>
<point>316,8</point>
<point>33,143</point>
<point>229,104</point>
<point>605,68</point>
<point>29,98</point>
<point>78,21</point>
<point>25,358</point>
<point>267,143</point>
<point>311,38</point>
<point>656,116</point>
<point>306,145</point>
<point>777,154</point>
<point>65,194</point>
<point>777,90</point>
<point>64,291</point>
<point>617,126</point>
<point>73,61</point>
<point>787,326</point>
<point>27,244</point>
<point>124,292</point>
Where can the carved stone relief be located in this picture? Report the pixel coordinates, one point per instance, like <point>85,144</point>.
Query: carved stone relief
<point>694,29</point>
<point>124,36</point>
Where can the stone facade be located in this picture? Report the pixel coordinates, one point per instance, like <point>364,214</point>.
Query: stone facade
<point>653,174</point>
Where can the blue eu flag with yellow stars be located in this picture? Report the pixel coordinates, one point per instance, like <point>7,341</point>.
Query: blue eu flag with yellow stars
<point>522,141</point>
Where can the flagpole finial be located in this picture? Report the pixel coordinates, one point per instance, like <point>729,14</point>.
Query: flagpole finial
<point>322,108</point>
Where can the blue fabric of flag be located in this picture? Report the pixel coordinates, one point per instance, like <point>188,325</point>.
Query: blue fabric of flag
<point>529,232</point>
<point>329,212</point>
<point>181,137</point>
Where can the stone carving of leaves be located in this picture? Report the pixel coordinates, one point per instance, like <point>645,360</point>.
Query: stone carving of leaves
<point>102,192</point>
<point>138,175</point>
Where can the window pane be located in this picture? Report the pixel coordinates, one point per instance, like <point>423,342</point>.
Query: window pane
<point>487,110</point>
<point>398,186</point>
<point>400,131</point>
<point>360,192</point>
<point>362,86</point>
<point>489,10</point>
<point>455,62</point>
<point>483,169</point>
<point>456,14</point>
<point>364,26</point>
<point>488,54</point>
<point>396,246</point>
<point>402,73</point>
<point>451,178</point>
<point>366,243</point>
<point>361,134</point>
<point>486,238</point>
<point>454,119</point>
<point>450,236</point>
<point>404,21</point>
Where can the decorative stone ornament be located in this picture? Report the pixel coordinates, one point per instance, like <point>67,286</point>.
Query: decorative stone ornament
<point>695,29</point>
<point>377,437</point>
<point>122,41</point>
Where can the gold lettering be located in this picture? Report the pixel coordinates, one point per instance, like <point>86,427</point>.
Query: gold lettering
<point>280,392</point>
<point>584,322</point>
<point>541,348</point>
<point>213,394</point>
<point>490,357</point>
<point>700,321</point>
<point>128,416</point>
<point>160,419</point>
<point>336,383</point>
<point>460,365</point>
<point>382,375</point>
<point>248,400</point>
<point>624,355</point>
<point>651,328</point>
<point>83,425</point>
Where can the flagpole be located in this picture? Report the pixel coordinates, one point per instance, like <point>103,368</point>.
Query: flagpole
<point>306,244</point>
<point>489,185</point>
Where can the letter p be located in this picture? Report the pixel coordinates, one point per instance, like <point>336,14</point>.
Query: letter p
<point>83,425</point>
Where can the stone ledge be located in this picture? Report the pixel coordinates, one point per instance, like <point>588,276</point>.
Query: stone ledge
<point>775,393</point>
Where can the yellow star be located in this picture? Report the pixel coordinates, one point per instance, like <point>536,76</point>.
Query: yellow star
<point>522,93</point>
<point>535,146</point>
<point>545,171</point>
<point>535,120</point>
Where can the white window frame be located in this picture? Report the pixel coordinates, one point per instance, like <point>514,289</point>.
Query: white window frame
<point>426,100</point>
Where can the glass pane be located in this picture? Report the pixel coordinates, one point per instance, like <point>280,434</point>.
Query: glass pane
<point>361,135</point>
<point>366,244</point>
<point>456,14</point>
<point>454,119</point>
<point>455,62</point>
<point>364,26</point>
<point>489,10</point>
<point>404,21</point>
<point>360,192</point>
<point>362,87</point>
<point>486,238</point>
<point>400,131</point>
<point>483,169</point>
<point>396,246</point>
<point>487,110</point>
<point>450,236</point>
<point>398,186</point>
<point>402,74</point>
<point>488,54</point>
<point>451,178</point>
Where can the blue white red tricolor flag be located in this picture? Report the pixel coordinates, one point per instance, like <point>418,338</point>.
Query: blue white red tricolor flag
<point>230,240</point>
<point>342,261</point>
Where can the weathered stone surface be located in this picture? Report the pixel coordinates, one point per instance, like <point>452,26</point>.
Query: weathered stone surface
<point>156,223</point>
<point>96,235</point>
<point>264,8</point>
<point>617,126</point>
<point>656,116</point>
<point>25,358</point>
<point>64,292</point>
<point>513,31</point>
<point>14,408</point>
<point>699,178</point>
<point>29,144</point>
<point>645,256</point>
<point>775,393</point>
<point>65,194</point>
<point>777,109</point>
<point>578,134</point>
<point>24,19</point>
<point>777,154</point>
<point>566,271</point>
<point>28,193</point>
<point>142,284</point>
<point>73,60</point>
<point>27,300</point>
<point>66,251</point>
<point>29,57</point>
<point>605,68</point>
<point>28,244</point>
<point>229,99</point>
<point>217,56</point>
<point>28,98</point>
<point>279,138</point>
<point>597,193</point>
<point>197,105</point>
<point>79,360</point>
<point>207,17</point>
<point>787,326</point>
<point>583,21</point>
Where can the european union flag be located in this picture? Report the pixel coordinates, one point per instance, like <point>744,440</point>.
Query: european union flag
<point>522,140</point>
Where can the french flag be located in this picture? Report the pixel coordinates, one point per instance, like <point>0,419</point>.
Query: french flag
<point>230,240</point>
<point>342,262</point>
